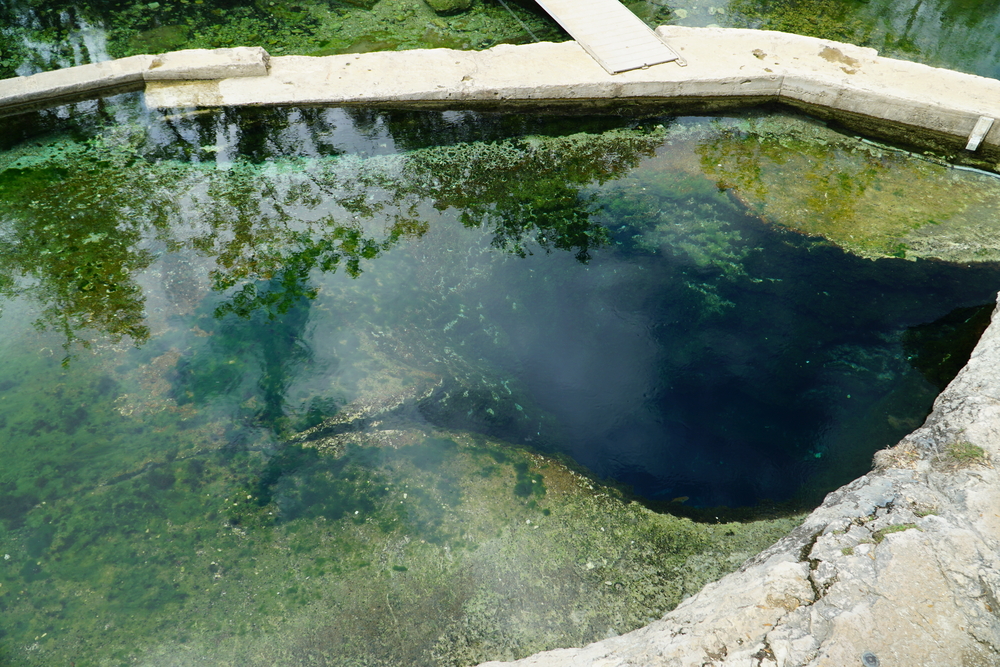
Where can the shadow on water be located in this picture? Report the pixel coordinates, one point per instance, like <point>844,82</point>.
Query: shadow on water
<point>941,348</point>
<point>782,394</point>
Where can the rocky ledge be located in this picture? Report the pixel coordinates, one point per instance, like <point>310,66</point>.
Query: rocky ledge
<point>898,568</point>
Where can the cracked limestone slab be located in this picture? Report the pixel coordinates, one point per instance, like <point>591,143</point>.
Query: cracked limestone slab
<point>128,74</point>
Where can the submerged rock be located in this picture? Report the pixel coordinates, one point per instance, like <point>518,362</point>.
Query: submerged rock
<point>364,4</point>
<point>869,199</point>
<point>449,7</point>
<point>160,40</point>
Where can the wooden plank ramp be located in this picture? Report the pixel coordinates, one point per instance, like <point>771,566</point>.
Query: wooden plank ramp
<point>612,35</point>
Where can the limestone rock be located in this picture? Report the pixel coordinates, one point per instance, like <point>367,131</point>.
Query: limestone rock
<point>207,64</point>
<point>72,83</point>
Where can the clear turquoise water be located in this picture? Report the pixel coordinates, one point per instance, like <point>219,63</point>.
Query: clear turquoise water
<point>302,337</point>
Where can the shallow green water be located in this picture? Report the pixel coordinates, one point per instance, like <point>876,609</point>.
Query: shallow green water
<point>297,386</point>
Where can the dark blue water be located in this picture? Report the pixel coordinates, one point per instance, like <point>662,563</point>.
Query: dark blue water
<point>792,386</point>
<point>804,373</point>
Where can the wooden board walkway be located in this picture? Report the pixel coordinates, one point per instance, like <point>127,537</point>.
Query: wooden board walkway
<point>610,33</point>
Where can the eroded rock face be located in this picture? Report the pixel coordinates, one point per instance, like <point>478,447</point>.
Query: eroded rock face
<point>900,567</point>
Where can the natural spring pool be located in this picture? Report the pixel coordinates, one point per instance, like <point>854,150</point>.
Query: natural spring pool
<point>338,386</point>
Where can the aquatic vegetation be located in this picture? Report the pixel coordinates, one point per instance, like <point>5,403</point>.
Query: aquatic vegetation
<point>277,225</point>
<point>216,540</point>
<point>531,189</point>
<point>944,33</point>
<point>83,268</point>
<point>838,20</point>
<point>868,199</point>
<point>684,217</point>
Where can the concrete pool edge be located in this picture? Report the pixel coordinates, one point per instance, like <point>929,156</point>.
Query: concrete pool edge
<point>726,67</point>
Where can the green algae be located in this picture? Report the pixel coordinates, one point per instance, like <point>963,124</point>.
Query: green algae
<point>227,553</point>
<point>684,217</point>
<point>837,20</point>
<point>874,201</point>
<point>944,33</point>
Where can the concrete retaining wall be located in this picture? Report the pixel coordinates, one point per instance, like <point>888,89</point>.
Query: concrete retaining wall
<point>725,67</point>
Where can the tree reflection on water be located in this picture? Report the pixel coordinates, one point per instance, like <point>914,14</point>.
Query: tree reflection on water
<point>265,196</point>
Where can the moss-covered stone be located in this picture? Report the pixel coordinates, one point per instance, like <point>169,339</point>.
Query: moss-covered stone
<point>449,7</point>
<point>872,200</point>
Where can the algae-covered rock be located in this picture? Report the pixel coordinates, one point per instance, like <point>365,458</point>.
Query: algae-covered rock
<point>160,40</point>
<point>448,7</point>
<point>872,200</point>
<point>433,548</point>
